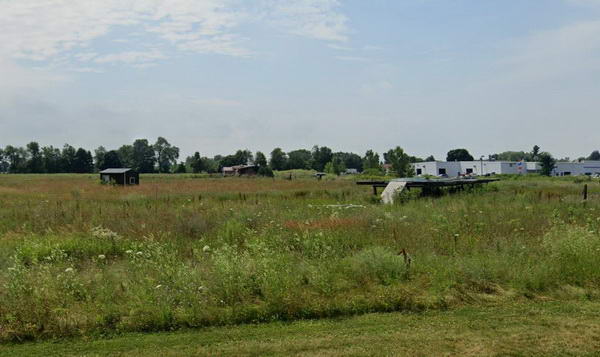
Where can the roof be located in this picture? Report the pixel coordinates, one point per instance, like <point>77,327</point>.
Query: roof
<point>115,171</point>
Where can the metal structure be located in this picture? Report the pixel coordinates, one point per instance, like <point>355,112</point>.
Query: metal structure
<point>429,187</point>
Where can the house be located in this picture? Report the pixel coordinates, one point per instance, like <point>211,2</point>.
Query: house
<point>240,170</point>
<point>351,172</point>
<point>120,176</point>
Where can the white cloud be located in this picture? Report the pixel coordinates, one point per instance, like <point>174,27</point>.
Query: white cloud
<point>311,18</point>
<point>44,29</point>
<point>132,57</point>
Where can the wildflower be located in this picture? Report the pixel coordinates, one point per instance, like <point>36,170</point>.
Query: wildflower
<point>129,251</point>
<point>158,286</point>
<point>456,235</point>
<point>102,257</point>
<point>201,288</point>
<point>139,253</point>
<point>69,270</point>
<point>206,249</point>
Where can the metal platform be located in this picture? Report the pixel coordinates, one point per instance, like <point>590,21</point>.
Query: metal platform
<point>429,185</point>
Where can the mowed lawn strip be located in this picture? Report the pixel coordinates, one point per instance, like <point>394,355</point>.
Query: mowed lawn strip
<point>552,328</point>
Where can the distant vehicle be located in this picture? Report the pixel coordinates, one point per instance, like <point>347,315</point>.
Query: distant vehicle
<point>443,175</point>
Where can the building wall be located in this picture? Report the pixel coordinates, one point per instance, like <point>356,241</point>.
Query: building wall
<point>453,169</point>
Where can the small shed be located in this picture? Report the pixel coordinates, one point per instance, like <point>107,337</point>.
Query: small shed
<point>120,176</point>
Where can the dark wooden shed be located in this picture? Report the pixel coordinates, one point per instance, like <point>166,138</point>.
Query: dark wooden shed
<point>120,176</point>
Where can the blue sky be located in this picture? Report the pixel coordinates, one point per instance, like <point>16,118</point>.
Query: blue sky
<point>219,75</point>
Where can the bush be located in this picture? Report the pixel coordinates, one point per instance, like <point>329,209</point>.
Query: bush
<point>265,171</point>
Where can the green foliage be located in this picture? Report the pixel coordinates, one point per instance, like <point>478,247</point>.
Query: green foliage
<point>260,159</point>
<point>371,161</point>
<point>299,160</point>
<point>320,157</point>
<point>278,160</point>
<point>459,155</point>
<point>548,163</point>
<point>166,154</point>
<point>336,166</point>
<point>400,162</point>
<point>265,171</point>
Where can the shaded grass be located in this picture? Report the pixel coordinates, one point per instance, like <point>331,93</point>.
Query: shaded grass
<point>551,329</point>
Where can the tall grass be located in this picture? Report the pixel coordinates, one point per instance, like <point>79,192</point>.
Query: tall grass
<point>79,258</point>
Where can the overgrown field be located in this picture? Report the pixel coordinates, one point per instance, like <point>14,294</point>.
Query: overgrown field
<point>79,258</point>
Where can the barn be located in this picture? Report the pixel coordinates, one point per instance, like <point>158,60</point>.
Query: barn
<point>120,176</point>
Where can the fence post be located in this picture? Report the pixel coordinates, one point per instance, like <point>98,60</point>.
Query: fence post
<point>585,192</point>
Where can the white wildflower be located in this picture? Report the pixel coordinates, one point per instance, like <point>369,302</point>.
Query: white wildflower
<point>69,270</point>
<point>101,256</point>
<point>129,251</point>
<point>158,286</point>
<point>206,249</point>
<point>139,253</point>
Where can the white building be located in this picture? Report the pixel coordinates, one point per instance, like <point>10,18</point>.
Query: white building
<point>577,168</point>
<point>460,168</point>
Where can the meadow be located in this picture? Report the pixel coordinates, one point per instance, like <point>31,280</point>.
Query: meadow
<point>78,258</point>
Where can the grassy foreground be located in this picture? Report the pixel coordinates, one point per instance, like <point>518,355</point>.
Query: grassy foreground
<point>78,259</point>
<point>550,329</point>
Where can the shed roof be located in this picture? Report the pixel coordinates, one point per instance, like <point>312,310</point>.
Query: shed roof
<point>115,171</point>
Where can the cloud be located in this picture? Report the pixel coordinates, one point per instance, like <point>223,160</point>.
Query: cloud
<point>566,52</point>
<point>42,30</point>
<point>132,57</point>
<point>311,18</point>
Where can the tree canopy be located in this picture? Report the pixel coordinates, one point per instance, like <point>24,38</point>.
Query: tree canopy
<point>459,155</point>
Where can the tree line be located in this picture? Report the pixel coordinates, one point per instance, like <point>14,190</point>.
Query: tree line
<point>163,157</point>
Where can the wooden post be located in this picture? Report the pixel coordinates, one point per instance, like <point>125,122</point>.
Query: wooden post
<point>374,190</point>
<point>585,192</point>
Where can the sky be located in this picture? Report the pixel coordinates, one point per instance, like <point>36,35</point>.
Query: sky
<point>216,76</point>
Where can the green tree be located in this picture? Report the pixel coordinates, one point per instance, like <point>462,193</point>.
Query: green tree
<point>196,163</point>
<point>278,159</point>
<point>548,163</point>
<point>111,159</point>
<point>16,157</point>
<point>350,160</point>
<point>67,158</point>
<point>126,156</point>
<point>181,169</point>
<point>459,155</point>
<point>535,153</point>
<point>99,155</point>
<point>260,159</point>
<point>320,157</point>
<point>143,156</point>
<point>400,162</point>
<point>52,159</point>
<point>430,158</point>
<point>336,166</point>
<point>3,162</point>
<point>84,162</point>
<point>35,164</point>
<point>594,156</point>
<point>265,171</point>
<point>166,154</point>
<point>371,160</point>
<point>299,159</point>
